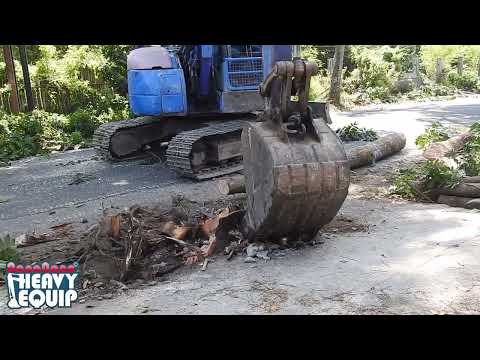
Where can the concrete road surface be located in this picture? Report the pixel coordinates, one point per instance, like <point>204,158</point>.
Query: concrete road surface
<point>415,258</point>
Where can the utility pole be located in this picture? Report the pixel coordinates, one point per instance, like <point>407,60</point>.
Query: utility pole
<point>26,77</point>
<point>11,79</point>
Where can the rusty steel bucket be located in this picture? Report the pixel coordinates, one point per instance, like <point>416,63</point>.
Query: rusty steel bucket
<point>293,188</point>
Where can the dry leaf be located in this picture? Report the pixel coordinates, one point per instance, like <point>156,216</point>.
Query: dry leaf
<point>115,226</point>
<point>85,284</point>
<point>21,240</point>
<point>181,232</point>
<point>193,258</point>
<point>211,246</point>
<point>59,226</point>
<point>210,225</point>
<point>168,228</point>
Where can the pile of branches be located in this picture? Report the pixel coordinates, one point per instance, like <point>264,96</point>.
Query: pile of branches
<point>353,132</point>
<point>451,173</point>
<point>144,243</point>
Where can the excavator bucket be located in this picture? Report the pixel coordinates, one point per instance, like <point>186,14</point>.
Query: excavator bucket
<point>296,170</point>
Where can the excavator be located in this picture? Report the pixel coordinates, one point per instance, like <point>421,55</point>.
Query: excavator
<point>222,109</point>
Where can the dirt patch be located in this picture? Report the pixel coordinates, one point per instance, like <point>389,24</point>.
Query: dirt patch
<point>375,181</point>
<point>308,300</point>
<point>272,297</point>
<point>344,224</point>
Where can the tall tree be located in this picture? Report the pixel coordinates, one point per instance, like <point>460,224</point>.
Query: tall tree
<point>11,79</point>
<point>336,82</point>
<point>26,77</point>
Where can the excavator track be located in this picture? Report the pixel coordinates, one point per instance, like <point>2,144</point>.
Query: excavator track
<point>180,149</point>
<point>104,133</point>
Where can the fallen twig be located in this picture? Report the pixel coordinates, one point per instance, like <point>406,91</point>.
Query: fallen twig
<point>418,192</point>
<point>205,263</point>
<point>183,243</point>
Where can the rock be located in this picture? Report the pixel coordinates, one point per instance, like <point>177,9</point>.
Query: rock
<point>84,221</point>
<point>117,284</point>
<point>263,255</point>
<point>249,259</point>
<point>98,284</point>
<point>52,212</point>
<point>107,296</point>
<point>91,274</point>
<point>21,240</point>
<point>252,250</point>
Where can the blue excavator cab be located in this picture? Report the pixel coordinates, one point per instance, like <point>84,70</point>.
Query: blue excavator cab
<point>156,83</point>
<point>200,79</point>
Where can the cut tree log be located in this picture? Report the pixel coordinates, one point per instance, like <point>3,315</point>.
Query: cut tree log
<point>232,185</point>
<point>442,149</point>
<point>367,154</point>
<point>458,201</point>
<point>471,179</point>
<point>358,156</point>
<point>463,190</point>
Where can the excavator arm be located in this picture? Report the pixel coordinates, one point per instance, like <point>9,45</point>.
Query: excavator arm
<point>296,170</point>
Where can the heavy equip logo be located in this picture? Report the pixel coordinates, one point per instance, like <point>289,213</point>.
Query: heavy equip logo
<point>37,286</point>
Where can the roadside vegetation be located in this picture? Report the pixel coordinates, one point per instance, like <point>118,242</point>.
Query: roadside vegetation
<point>79,87</point>
<point>382,74</point>
<point>420,182</point>
<point>8,251</point>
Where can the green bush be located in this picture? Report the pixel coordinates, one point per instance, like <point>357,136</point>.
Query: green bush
<point>416,182</point>
<point>352,132</point>
<point>435,133</point>
<point>432,89</point>
<point>8,251</point>
<point>469,160</point>
<point>450,55</point>
<point>372,70</point>
<point>83,122</point>
<point>467,81</point>
<point>403,184</point>
<point>319,86</point>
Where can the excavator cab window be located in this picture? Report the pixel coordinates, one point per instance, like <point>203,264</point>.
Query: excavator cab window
<point>244,51</point>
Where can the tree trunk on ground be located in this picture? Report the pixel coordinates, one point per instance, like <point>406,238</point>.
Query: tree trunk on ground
<point>232,185</point>
<point>11,79</point>
<point>470,190</point>
<point>457,201</point>
<point>471,179</point>
<point>26,77</point>
<point>376,150</point>
<point>437,151</point>
<point>336,83</point>
<point>358,156</point>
